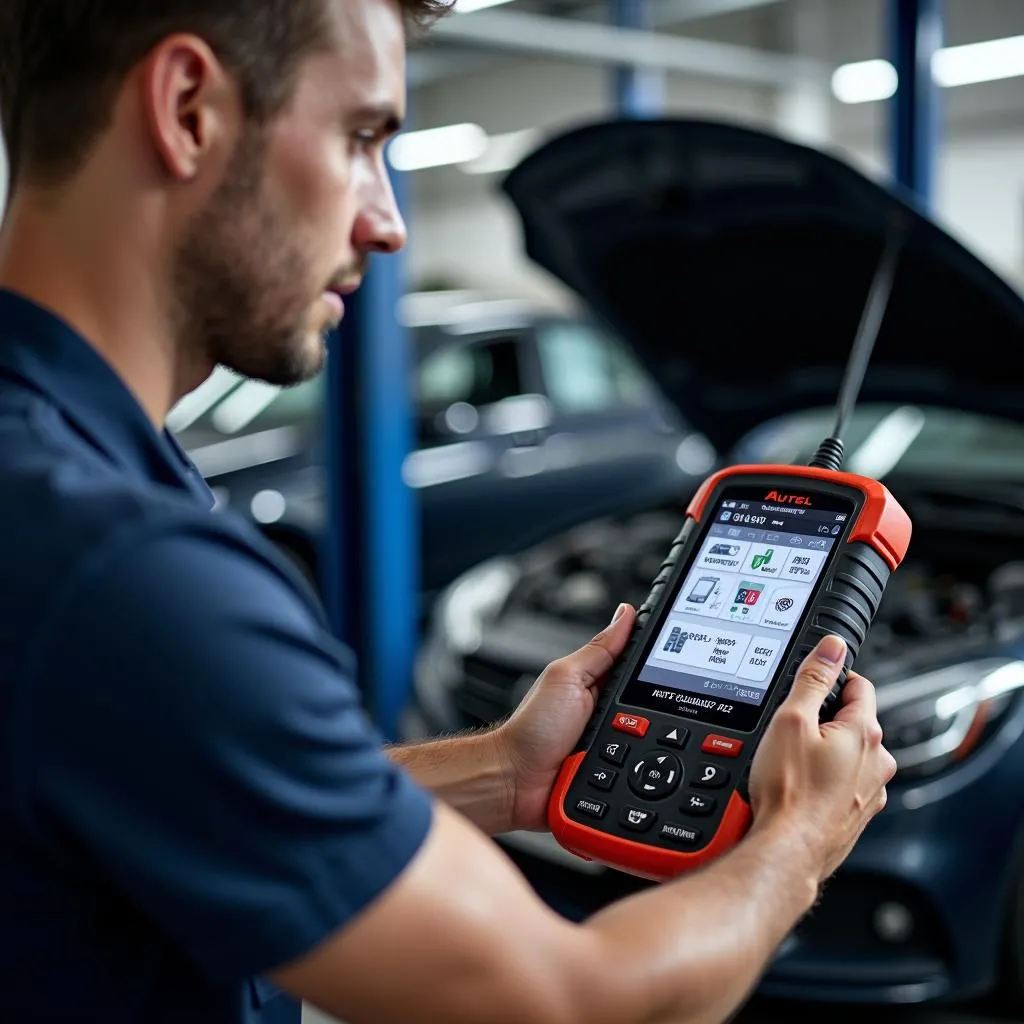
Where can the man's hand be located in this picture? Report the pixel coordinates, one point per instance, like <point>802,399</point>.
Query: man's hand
<point>462,913</point>
<point>545,727</point>
<point>825,781</point>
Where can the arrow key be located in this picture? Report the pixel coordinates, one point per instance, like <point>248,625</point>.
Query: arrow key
<point>674,737</point>
<point>656,775</point>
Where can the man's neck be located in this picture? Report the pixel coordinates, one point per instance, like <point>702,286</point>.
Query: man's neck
<point>102,286</point>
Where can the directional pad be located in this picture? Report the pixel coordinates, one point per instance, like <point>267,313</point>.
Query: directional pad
<point>656,775</point>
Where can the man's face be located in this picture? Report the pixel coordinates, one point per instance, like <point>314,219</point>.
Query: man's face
<point>261,272</point>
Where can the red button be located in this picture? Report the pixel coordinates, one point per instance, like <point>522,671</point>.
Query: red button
<point>631,724</point>
<point>724,746</point>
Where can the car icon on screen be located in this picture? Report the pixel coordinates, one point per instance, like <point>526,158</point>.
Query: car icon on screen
<point>729,550</point>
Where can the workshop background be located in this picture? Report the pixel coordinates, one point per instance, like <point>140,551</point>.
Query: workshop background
<point>494,457</point>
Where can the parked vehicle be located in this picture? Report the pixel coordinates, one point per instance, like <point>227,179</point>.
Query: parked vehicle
<point>527,422</point>
<point>737,266</point>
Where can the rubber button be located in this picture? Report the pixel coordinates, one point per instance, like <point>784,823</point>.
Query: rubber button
<point>633,724</point>
<point>592,808</point>
<point>602,778</point>
<point>681,834</point>
<point>724,746</point>
<point>675,737</point>
<point>698,805</point>
<point>709,776</point>
<point>637,819</point>
<point>614,753</point>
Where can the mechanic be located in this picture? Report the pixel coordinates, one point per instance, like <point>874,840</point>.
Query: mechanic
<point>196,815</point>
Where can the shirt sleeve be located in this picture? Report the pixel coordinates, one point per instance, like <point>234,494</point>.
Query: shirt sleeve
<point>197,735</point>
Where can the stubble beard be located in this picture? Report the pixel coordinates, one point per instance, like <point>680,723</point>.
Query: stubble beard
<point>243,291</point>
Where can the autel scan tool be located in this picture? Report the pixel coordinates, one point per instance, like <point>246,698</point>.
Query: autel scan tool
<point>770,560</point>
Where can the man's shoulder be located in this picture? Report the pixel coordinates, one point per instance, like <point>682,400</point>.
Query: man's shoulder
<point>76,518</point>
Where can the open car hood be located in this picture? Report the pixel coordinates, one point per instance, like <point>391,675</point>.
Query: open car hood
<point>738,266</point>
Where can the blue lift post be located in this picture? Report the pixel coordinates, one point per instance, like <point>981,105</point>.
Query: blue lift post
<point>639,93</point>
<point>370,547</point>
<point>915,32</point>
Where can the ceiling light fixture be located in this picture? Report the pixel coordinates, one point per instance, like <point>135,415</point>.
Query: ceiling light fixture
<point>868,81</point>
<point>437,147</point>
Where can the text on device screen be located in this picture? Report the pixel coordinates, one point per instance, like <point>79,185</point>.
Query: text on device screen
<point>742,599</point>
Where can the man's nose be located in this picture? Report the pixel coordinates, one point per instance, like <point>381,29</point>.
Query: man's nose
<point>379,225</point>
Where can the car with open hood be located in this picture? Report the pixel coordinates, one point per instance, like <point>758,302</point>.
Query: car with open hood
<point>737,265</point>
<point>526,420</point>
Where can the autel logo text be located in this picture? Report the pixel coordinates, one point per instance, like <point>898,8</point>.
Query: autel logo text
<point>787,499</point>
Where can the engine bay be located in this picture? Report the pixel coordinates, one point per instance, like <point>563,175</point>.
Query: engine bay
<point>960,588</point>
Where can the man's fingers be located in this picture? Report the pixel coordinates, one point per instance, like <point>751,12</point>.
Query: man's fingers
<point>859,702</point>
<point>817,675</point>
<point>593,660</point>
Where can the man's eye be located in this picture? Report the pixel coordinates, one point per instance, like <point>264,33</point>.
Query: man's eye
<point>366,137</point>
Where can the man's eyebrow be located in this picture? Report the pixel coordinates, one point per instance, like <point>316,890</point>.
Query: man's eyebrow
<point>383,114</point>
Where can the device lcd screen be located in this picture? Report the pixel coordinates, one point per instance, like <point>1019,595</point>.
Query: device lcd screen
<point>732,621</point>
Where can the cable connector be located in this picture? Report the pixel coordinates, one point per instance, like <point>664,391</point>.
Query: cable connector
<point>829,455</point>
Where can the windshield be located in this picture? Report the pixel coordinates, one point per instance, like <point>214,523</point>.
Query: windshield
<point>907,439</point>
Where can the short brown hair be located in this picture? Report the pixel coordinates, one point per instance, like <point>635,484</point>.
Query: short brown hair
<point>62,62</point>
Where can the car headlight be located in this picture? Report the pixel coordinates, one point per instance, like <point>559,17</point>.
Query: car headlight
<point>473,601</point>
<point>933,721</point>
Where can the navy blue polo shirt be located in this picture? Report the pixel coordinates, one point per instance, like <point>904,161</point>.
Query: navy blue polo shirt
<point>191,792</point>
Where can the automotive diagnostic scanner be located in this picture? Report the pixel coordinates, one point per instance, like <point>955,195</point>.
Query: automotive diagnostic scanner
<point>770,560</point>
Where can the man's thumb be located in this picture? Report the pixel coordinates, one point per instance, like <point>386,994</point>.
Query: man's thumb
<point>598,655</point>
<point>818,673</point>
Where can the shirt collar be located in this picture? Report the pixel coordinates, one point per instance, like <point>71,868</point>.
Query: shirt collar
<point>43,351</point>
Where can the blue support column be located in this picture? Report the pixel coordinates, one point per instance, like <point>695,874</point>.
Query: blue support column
<point>915,31</point>
<point>371,552</point>
<point>638,93</point>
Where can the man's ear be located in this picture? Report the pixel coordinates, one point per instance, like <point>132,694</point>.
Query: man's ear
<point>190,103</point>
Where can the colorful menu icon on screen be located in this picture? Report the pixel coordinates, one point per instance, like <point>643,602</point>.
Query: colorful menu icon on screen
<point>747,595</point>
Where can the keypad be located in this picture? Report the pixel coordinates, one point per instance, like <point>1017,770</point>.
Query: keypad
<point>648,790</point>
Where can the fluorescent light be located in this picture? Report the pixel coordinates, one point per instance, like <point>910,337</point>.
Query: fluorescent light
<point>979,62</point>
<point>870,80</point>
<point>247,451</point>
<point>437,147</point>
<point>205,397</point>
<point>465,6</point>
<point>864,82</point>
<point>503,152</point>
<point>241,407</point>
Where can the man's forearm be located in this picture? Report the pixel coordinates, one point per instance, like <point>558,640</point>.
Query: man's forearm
<point>469,772</point>
<point>715,930</point>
